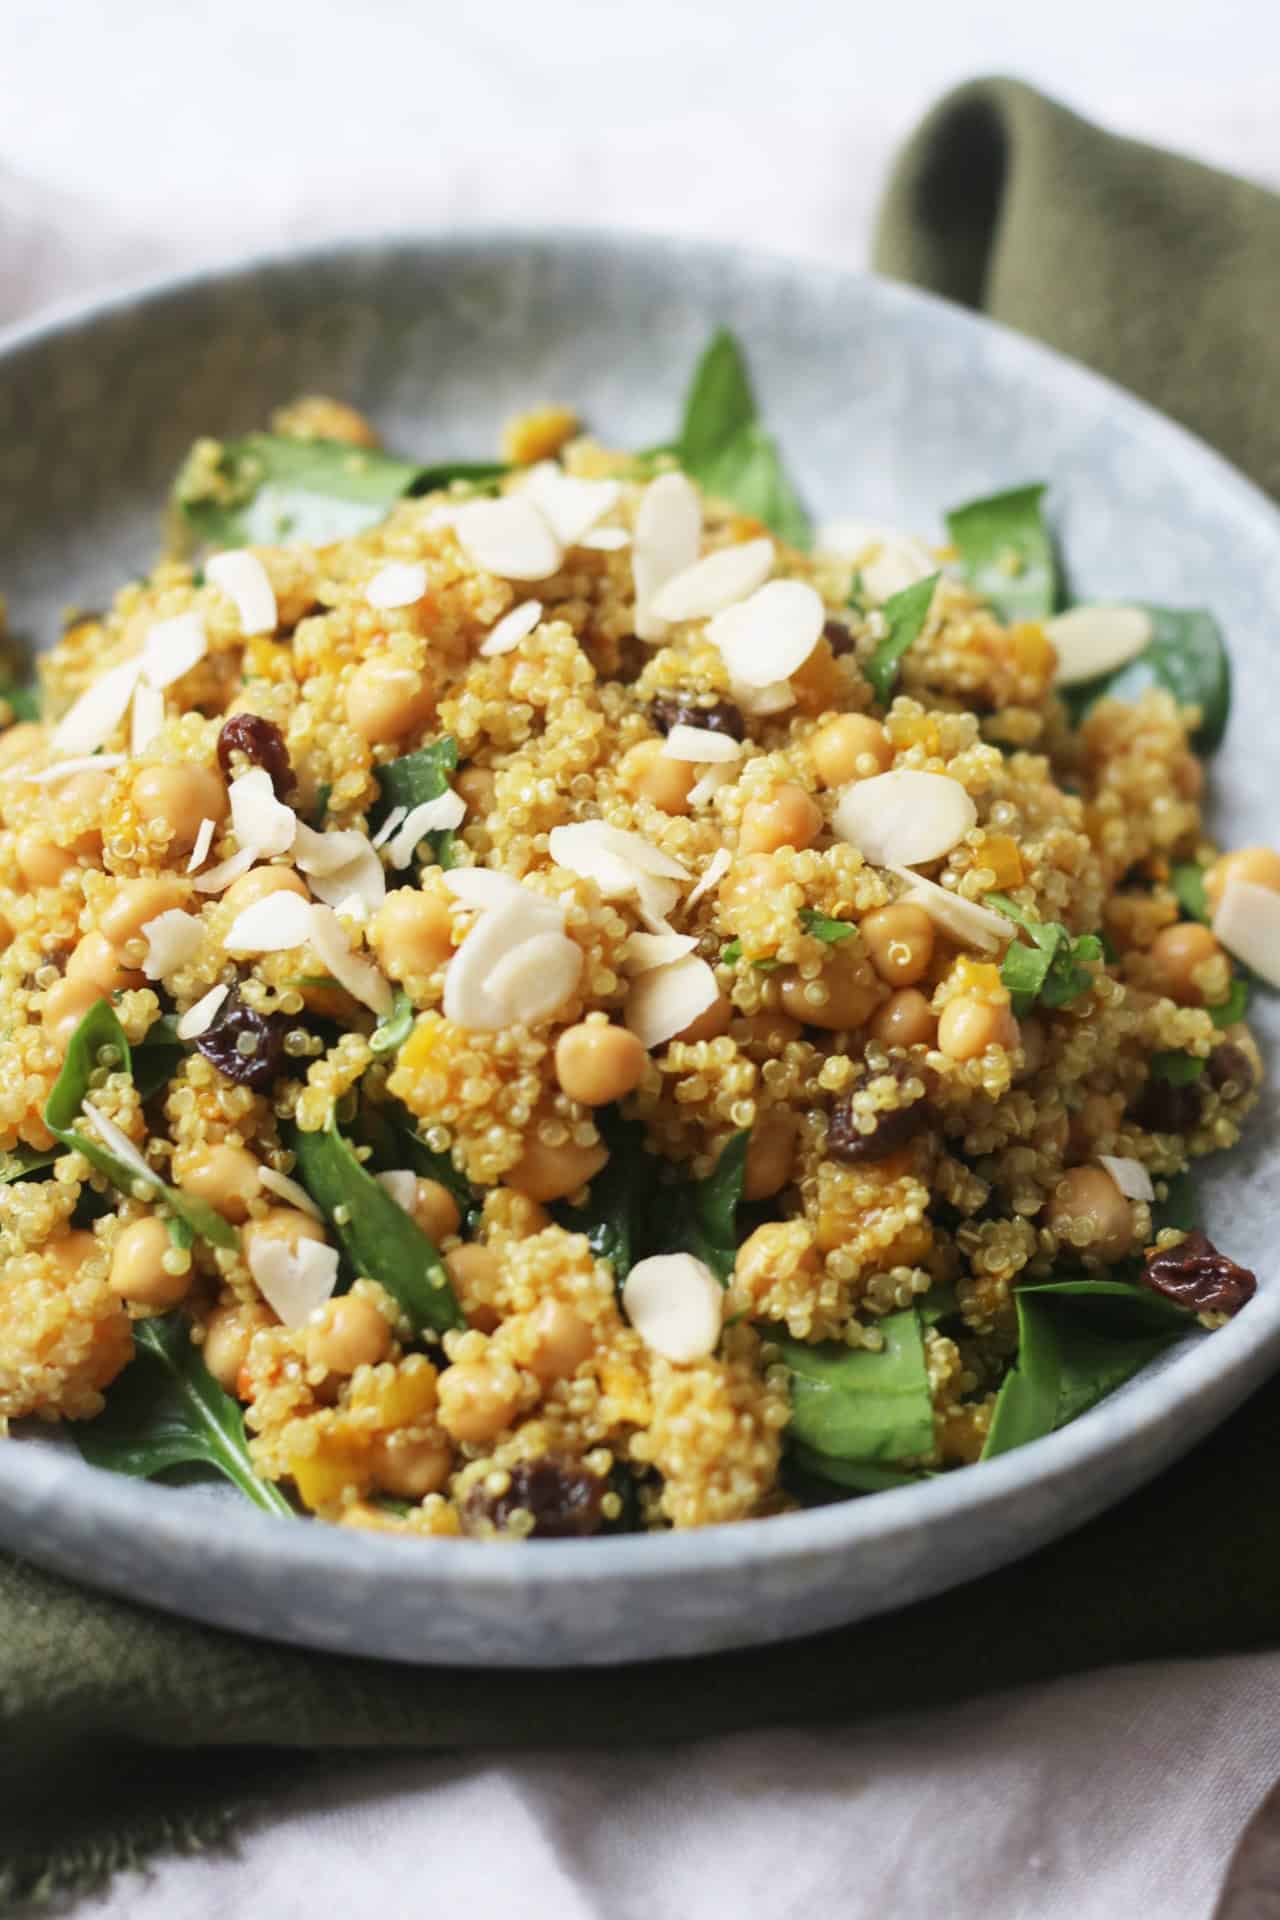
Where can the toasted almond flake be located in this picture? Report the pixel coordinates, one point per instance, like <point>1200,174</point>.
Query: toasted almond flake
<point>769,636</point>
<point>967,922</point>
<point>759,703</point>
<point>665,1001</point>
<point>569,505</point>
<point>667,537</point>
<point>246,582</point>
<point>440,815</point>
<point>90,723</point>
<point>321,853</point>
<point>700,744</point>
<point>203,842</point>
<point>287,1189</point>
<point>498,932</point>
<point>147,718</point>
<point>904,818</point>
<point>118,1143</point>
<point>85,763</point>
<point>1093,640</point>
<point>1129,1175</point>
<point>275,924</point>
<point>484,890</point>
<point>708,786</point>
<point>644,951</point>
<point>173,938</point>
<point>173,647</point>
<point>259,819</point>
<point>342,868</point>
<point>508,537</point>
<point>199,1018</point>
<point>656,898</point>
<point>715,870</point>
<point>1247,923</point>
<point>887,561</point>
<point>401,584</point>
<point>676,1305</point>
<point>389,825</point>
<point>717,581</point>
<point>606,539</point>
<point>512,628</point>
<point>590,843</point>
<point>536,978</point>
<point>360,977</point>
<point>219,878</point>
<point>402,1184</point>
<point>293,1280</point>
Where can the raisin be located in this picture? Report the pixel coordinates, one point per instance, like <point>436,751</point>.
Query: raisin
<point>1230,1066</point>
<point>1163,1108</point>
<point>669,710</point>
<point>260,741</point>
<point>893,1126</point>
<point>247,1047</point>
<point>563,1498</point>
<point>838,638</point>
<point>1196,1275</point>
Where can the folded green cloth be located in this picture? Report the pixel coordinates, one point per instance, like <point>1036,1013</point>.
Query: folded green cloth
<point>123,1733</point>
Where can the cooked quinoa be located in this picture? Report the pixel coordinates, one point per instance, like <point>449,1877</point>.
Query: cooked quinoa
<point>695,925</point>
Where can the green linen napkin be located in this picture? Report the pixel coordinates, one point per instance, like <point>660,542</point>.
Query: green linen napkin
<point>124,1733</point>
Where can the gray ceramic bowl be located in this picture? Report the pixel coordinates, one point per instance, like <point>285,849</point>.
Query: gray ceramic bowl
<point>890,405</point>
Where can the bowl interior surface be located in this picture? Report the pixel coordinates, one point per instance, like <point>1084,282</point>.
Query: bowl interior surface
<point>890,406</point>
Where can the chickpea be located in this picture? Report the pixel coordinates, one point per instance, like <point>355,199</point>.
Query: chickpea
<point>385,701</point>
<point>1261,865</point>
<point>751,875</point>
<point>549,1173</point>
<point>968,1026</point>
<point>476,785</point>
<point>562,1341</point>
<point>850,748</point>
<point>770,1029</point>
<point>96,960</point>
<point>86,793</point>
<point>1178,953</point>
<point>596,1063</point>
<point>899,943</point>
<point>40,862</point>
<point>905,1020</point>
<point>435,1210</point>
<point>771,1154</point>
<point>851,991</point>
<point>289,1224</point>
<point>1089,1194</point>
<point>710,1023</point>
<point>179,797</point>
<point>648,773</point>
<point>138,1270</point>
<point>70,1251</point>
<point>411,1465</point>
<point>785,816</point>
<point>227,1338</point>
<point>478,1398</point>
<point>65,1006</point>
<point>259,884</point>
<point>410,933</point>
<point>225,1176</point>
<point>473,1268</point>
<point>347,1333</point>
<point>137,902</point>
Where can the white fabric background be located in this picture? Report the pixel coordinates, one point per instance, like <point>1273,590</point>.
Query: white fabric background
<point>140,135</point>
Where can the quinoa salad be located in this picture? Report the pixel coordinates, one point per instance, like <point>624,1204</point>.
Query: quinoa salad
<point>550,996</point>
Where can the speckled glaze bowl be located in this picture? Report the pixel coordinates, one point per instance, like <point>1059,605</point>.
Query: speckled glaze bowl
<point>890,405</point>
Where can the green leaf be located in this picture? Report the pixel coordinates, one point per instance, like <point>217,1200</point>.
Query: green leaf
<point>618,1199</point>
<point>267,488</point>
<point>97,1032</point>
<point>1236,1004</point>
<point>1007,554</point>
<point>321,807</point>
<point>166,1410</point>
<point>23,697</point>
<point>940,1303</point>
<point>715,1205</point>
<point>1179,1208</point>
<point>1187,657</point>
<point>19,1161</point>
<point>821,926</point>
<point>719,403</point>
<point>416,777</point>
<point>483,475</point>
<point>730,956</point>
<point>379,1238</point>
<point>906,613</point>
<point>725,449</point>
<point>388,1129</point>
<point>1187,881</point>
<point>157,1056</point>
<point>395,1027</point>
<point>852,1404</point>
<point>1179,1069</point>
<point>1055,970</point>
<point>860,1476</point>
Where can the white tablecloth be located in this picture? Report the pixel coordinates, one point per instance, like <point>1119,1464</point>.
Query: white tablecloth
<point>141,135</point>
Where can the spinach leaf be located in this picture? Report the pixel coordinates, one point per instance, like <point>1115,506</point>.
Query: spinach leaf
<point>388,1130</point>
<point>19,1161</point>
<point>157,1055</point>
<point>821,926</point>
<point>1078,1340</point>
<point>23,697</point>
<point>166,1410</point>
<point>395,1027</point>
<point>1187,657</point>
<point>1187,881</point>
<point>1178,1208</point>
<point>860,1476</point>
<point>725,449</point>
<point>852,1404</point>
<point>99,1030</point>
<point>1236,1004</point>
<point>483,475</point>
<point>940,1303</point>
<point>1007,554</point>
<point>379,1238</point>
<point>715,1205</point>
<point>906,613</point>
<point>619,1199</point>
<point>416,777</point>
<point>1054,970</point>
<point>1178,1069</point>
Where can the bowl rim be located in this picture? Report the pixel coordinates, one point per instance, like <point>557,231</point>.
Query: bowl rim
<point>31,1474</point>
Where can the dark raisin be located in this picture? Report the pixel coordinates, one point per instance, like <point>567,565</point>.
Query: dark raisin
<point>1230,1066</point>
<point>247,1047</point>
<point>1164,1108</point>
<point>563,1498</point>
<point>892,1126</point>
<point>837,637</point>
<point>261,742</point>
<point>668,710</point>
<point>1196,1275</point>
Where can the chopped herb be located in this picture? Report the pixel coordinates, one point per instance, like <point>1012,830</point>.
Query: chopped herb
<point>730,956</point>
<point>23,698</point>
<point>321,808</point>
<point>906,613</point>
<point>395,1027</point>
<point>1186,656</point>
<point>852,1404</point>
<point>166,1410</point>
<point>1055,970</point>
<point>823,927</point>
<point>1007,554</point>
<point>1179,1069</point>
<point>1187,881</point>
<point>725,449</point>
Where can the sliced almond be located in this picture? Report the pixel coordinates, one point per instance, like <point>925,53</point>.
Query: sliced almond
<point>246,582</point>
<point>606,539</point>
<point>275,924</point>
<point>964,920</point>
<point>1247,923</point>
<point>219,878</point>
<point>905,818</point>
<point>118,1142</point>
<point>667,536</point>
<point>667,1000</point>
<point>389,825</point>
<point>769,636</point>
<point>67,769</point>
<point>887,561</point>
<point>508,537</point>
<point>708,785</point>
<point>498,933</point>
<point>173,647</point>
<point>199,1018</point>
<point>700,744</point>
<point>589,846</point>
<point>401,583</point>
<point>173,938</point>
<point>713,873</point>
<point>343,869</point>
<point>1093,640</point>
<point>293,1280</point>
<point>570,505</point>
<point>761,703</point>
<point>94,717</point>
<point>676,1305</point>
<point>512,629</point>
<point>203,841</point>
<point>644,951</point>
<point>440,815</point>
<point>1129,1175</point>
<point>536,978</point>
<point>718,580</point>
<point>402,1184</point>
<point>147,717</point>
<point>362,980</point>
<point>260,820</point>
<point>288,1190</point>
<point>480,888</point>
